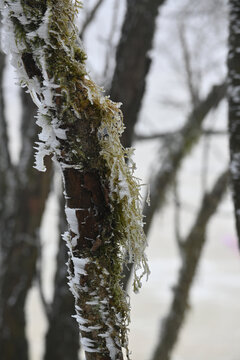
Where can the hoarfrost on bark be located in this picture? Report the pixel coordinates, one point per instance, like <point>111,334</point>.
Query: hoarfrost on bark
<point>72,220</point>
<point>88,344</point>
<point>121,191</point>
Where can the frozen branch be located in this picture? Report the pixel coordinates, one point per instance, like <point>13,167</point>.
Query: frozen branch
<point>81,129</point>
<point>193,91</point>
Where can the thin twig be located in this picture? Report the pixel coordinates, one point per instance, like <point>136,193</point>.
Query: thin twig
<point>162,135</point>
<point>90,17</point>
<point>193,91</point>
<point>177,215</point>
<point>110,45</point>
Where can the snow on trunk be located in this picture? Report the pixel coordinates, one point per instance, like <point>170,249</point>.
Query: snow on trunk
<point>81,129</point>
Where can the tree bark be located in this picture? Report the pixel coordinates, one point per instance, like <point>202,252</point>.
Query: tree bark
<point>18,265</point>
<point>23,200</point>
<point>141,17</point>
<point>81,128</point>
<point>234,104</point>
<point>133,60</point>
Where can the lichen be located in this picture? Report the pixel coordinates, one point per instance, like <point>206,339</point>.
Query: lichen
<point>81,128</point>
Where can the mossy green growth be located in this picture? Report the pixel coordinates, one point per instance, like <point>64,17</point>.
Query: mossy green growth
<point>93,125</point>
<point>124,188</point>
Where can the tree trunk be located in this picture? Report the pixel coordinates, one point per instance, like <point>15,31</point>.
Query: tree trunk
<point>81,128</point>
<point>18,266</point>
<point>133,60</point>
<point>25,195</point>
<point>234,104</point>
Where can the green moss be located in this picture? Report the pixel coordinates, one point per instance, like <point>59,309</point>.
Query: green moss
<point>94,125</point>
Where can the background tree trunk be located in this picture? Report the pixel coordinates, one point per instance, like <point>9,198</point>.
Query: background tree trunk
<point>81,128</point>
<point>19,245</point>
<point>133,60</point>
<point>191,254</point>
<point>62,338</point>
<point>234,104</point>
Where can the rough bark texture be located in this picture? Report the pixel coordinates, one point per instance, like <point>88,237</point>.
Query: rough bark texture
<point>139,18</point>
<point>192,250</point>
<point>234,104</point>
<point>133,60</point>
<point>81,128</point>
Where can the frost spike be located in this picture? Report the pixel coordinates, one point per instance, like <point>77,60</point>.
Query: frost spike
<point>81,129</point>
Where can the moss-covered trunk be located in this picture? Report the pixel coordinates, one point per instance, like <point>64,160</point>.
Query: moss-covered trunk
<point>81,130</point>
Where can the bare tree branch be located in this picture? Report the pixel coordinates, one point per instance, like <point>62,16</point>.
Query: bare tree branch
<point>205,162</point>
<point>177,212</point>
<point>171,134</point>
<point>110,45</point>
<point>176,149</point>
<point>192,250</point>
<point>90,17</point>
<point>193,91</point>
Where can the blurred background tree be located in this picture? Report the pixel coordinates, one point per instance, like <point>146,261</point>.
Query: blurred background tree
<point>165,60</point>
